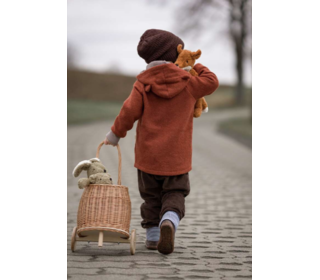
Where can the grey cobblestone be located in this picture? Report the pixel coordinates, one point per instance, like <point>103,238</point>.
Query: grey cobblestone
<point>213,240</point>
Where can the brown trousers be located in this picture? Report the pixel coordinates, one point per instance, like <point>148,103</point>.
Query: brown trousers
<point>161,194</point>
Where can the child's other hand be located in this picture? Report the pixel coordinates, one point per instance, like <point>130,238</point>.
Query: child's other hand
<point>106,142</point>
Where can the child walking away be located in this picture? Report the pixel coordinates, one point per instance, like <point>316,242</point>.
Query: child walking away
<point>162,100</point>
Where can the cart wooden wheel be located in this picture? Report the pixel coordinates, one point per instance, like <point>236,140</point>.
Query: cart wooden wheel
<point>100,239</point>
<point>73,239</point>
<point>133,242</point>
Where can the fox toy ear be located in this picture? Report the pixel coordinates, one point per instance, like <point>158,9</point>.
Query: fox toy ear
<point>82,165</point>
<point>196,55</point>
<point>179,48</point>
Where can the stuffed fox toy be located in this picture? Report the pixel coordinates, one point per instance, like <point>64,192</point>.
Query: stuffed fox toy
<point>186,61</point>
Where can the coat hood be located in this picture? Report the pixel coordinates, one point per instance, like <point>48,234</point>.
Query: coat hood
<point>166,80</point>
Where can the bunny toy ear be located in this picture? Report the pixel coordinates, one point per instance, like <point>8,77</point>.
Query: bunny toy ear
<point>196,54</point>
<point>179,48</point>
<point>82,165</point>
<point>94,160</point>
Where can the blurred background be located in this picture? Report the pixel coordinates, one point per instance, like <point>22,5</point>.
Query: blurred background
<point>103,62</point>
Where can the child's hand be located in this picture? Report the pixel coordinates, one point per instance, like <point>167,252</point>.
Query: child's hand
<point>106,142</point>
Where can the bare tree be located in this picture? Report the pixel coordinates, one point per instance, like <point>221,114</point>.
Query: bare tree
<point>71,56</point>
<point>238,31</point>
<point>194,15</point>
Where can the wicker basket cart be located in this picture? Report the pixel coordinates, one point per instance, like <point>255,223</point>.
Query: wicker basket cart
<point>104,214</point>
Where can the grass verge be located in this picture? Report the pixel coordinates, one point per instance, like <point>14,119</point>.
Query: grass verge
<point>83,111</point>
<point>238,129</point>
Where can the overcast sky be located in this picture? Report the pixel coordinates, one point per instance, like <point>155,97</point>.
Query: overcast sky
<point>103,35</point>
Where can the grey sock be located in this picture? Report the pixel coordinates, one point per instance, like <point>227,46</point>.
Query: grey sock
<point>153,234</point>
<point>172,217</point>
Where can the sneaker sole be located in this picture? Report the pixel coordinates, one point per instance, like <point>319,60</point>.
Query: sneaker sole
<point>151,247</point>
<point>166,242</point>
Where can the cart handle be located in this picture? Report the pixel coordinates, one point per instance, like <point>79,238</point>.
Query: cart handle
<point>119,156</point>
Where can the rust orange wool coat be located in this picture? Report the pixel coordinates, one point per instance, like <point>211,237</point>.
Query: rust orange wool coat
<point>163,99</point>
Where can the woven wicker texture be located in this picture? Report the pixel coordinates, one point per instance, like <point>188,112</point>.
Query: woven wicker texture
<point>105,207</point>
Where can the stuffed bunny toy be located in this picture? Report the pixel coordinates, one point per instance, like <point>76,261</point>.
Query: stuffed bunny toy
<point>186,61</point>
<point>96,172</point>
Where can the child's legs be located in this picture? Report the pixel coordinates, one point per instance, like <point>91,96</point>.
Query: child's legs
<point>174,191</point>
<point>150,191</point>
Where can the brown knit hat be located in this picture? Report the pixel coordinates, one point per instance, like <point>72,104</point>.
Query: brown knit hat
<point>158,44</point>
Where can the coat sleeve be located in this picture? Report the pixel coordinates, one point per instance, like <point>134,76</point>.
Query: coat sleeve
<point>131,111</point>
<point>204,84</point>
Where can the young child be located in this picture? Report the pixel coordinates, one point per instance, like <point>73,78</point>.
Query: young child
<point>162,99</point>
